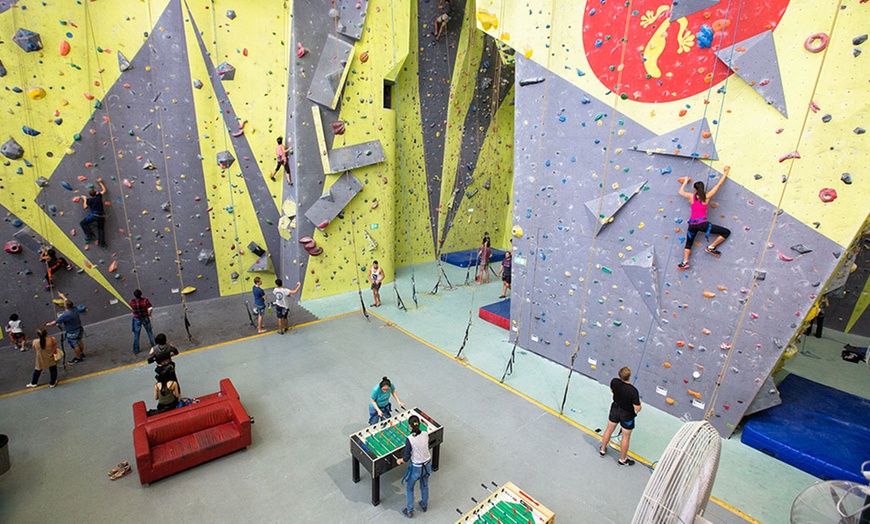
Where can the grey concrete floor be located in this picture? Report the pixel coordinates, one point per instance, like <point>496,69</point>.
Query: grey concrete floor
<point>307,391</point>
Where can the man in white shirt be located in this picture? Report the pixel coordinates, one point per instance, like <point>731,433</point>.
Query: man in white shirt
<point>281,307</point>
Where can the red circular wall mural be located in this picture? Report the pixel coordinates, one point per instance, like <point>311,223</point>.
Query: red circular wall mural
<point>664,60</point>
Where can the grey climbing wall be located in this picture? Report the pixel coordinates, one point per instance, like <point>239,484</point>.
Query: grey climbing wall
<point>600,297</point>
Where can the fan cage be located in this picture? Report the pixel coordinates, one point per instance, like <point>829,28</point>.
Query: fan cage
<point>681,483</point>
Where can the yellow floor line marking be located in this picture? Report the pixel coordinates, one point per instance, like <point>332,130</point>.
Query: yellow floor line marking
<point>548,409</point>
<point>390,323</point>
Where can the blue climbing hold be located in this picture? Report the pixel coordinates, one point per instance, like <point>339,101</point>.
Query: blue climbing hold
<point>705,36</point>
<point>17,222</point>
<point>66,185</point>
<point>29,131</point>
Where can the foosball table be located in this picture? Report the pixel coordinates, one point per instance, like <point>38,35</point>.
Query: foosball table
<point>508,505</point>
<point>377,447</point>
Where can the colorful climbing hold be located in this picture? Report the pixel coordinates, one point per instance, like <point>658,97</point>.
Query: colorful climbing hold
<point>828,195</point>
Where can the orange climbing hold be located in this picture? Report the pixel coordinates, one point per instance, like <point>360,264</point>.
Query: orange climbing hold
<point>709,294</point>
<point>721,24</point>
<point>694,394</point>
<point>64,48</point>
<point>113,266</point>
<point>670,401</point>
<point>82,178</point>
<point>667,365</point>
<point>680,343</point>
<point>705,331</point>
<point>683,112</point>
<point>89,96</point>
<point>722,288</point>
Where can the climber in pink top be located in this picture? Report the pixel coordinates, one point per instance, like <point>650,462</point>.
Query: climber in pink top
<point>281,154</point>
<point>698,219</point>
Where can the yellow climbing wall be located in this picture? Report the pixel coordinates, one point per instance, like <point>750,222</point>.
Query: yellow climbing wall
<point>366,232</point>
<point>751,137</point>
<point>69,83</point>
<point>260,106</point>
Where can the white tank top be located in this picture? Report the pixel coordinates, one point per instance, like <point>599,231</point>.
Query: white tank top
<point>420,448</point>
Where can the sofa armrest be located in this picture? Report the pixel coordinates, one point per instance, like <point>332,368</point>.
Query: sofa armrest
<point>228,389</point>
<point>241,419</point>
<point>140,415</point>
<point>143,453</point>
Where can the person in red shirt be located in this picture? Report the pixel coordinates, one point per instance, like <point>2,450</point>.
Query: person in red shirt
<point>142,309</point>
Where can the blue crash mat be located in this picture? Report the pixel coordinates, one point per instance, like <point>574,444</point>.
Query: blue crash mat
<point>818,429</point>
<point>468,257</point>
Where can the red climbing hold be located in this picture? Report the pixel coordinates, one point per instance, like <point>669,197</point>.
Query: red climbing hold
<point>816,43</point>
<point>828,195</point>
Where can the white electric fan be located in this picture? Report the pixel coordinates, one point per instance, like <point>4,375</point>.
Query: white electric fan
<point>833,502</point>
<point>680,486</point>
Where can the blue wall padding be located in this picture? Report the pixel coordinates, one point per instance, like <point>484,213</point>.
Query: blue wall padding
<point>468,257</point>
<point>818,429</point>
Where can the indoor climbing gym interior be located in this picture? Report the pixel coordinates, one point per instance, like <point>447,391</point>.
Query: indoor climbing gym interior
<point>472,261</point>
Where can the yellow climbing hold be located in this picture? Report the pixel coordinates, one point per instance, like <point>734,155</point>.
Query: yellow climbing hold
<point>527,52</point>
<point>188,290</point>
<point>487,20</point>
<point>641,225</point>
<point>505,37</point>
<point>517,231</point>
<point>58,302</point>
<point>36,93</point>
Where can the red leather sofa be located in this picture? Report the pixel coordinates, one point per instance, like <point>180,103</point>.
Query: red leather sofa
<point>191,435</point>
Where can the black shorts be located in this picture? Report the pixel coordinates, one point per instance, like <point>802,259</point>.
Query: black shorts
<point>281,312</point>
<point>506,278</point>
<point>618,416</point>
<point>376,286</point>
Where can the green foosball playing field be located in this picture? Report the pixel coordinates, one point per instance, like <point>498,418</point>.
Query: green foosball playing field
<point>390,438</point>
<point>507,513</point>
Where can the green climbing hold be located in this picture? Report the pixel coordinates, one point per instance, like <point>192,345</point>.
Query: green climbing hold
<point>599,116</point>
<point>607,270</point>
<point>77,136</point>
<point>617,323</point>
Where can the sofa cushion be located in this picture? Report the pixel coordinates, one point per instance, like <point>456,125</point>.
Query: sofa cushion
<point>186,448</point>
<point>186,421</point>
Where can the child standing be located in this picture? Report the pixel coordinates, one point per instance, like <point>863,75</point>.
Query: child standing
<point>16,332</point>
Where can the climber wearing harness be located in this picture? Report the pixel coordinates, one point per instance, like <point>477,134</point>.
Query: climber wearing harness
<point>698,219</point>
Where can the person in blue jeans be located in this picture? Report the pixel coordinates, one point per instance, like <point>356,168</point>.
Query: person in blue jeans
<point>379,405</point>
<point>71,323</point>
<point>419,466</point>
<point>142,309</point>
<point>96,213</point>
<point>259,303</point>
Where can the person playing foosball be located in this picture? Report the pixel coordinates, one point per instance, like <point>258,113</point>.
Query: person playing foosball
<point>379,405</point>
<point>419,466</point>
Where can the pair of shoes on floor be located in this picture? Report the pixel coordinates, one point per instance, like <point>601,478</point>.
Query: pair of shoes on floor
<point>628,462</point>
<point>29,385</point>
<point>118,468</point>
<point>123,471</point>
<point>422,507</point>
<point>77,360</point>
<point>407,513</point>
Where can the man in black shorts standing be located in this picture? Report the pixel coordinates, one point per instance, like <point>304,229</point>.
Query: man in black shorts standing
<point>623,410</point>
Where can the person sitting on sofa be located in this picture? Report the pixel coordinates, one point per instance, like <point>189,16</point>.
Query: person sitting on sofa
<point>166,393</point>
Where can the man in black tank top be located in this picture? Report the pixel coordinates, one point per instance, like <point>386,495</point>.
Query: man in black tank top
<point>623,410</point>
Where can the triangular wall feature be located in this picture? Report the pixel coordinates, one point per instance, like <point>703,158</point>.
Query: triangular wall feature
<point>754,61</point>
<point>694,140</point>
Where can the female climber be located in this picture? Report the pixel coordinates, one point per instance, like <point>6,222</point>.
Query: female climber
<point>698,218</point>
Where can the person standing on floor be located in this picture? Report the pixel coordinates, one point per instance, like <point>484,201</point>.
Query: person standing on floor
<point>698,222</point>
<point>623,411</point>
<point>817,316</point>
<point>97,213</point>
<point>483,256</point>
<point>16,332</point>
<point>142,309</point>
<point>161,354</point>
<point>44,346</point>
<point>71,323</point>
<point>259,303</point>
<point>376,275</point>
<point>281,155</point>
<point>282,310</point>
<point>379,403</point>
<point>505,273</point>
<point>419,466</point>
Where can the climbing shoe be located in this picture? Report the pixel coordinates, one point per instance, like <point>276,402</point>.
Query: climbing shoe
<point>682,266</point>
<point>713,251</point>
